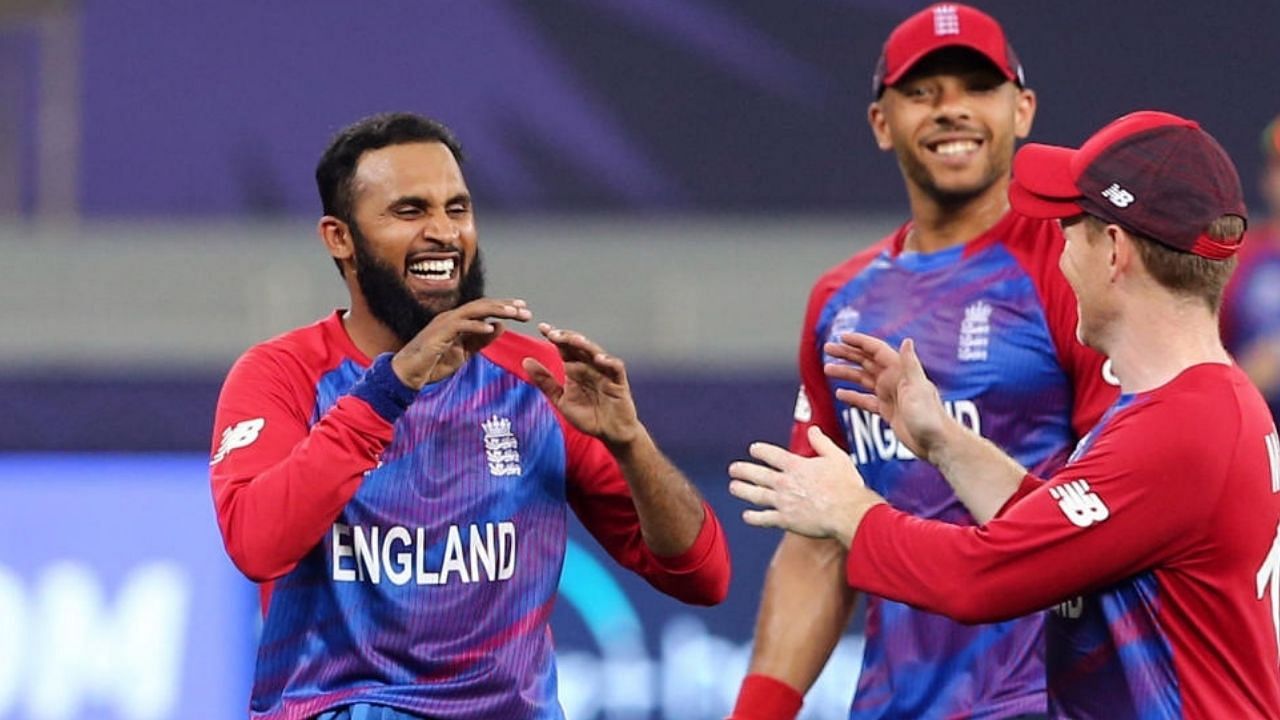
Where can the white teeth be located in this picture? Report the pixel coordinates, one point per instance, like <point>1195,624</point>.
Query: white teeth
<point>956,147</point>
<point>433,269</point>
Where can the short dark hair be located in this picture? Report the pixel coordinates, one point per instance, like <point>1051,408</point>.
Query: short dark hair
<point>1186,273</point>
<point>338,163</point>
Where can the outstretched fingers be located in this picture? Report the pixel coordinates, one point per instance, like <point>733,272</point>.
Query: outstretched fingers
<point>911,364</point>
<point>763,518</point>
<point>542,378</point>
<point>860,400</point>
<point>577,349</point>
<point>824,445</point>
<point>773,455</point>
<point>869,345</point>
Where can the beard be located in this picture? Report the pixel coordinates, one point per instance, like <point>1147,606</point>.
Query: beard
<point>391,301</point>
<point>919,175</point>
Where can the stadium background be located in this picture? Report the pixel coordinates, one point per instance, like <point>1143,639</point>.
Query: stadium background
<point>667,175</point>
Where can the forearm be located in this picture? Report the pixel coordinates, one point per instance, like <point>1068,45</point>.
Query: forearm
<point>805,608</point>
<point>981,474</point>
<point>669,508</point>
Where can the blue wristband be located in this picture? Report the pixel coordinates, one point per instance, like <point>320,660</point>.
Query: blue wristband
<point>383,390</point>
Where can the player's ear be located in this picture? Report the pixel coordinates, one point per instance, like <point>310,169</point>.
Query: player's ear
<point>336,236</point>
<point>1024,112</point>
<point>879,125</point>
<point>1122,250</point>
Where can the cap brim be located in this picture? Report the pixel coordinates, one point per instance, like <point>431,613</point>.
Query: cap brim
<point>1042,185</point>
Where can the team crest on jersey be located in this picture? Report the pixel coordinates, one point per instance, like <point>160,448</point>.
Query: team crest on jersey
<point>975,332</point>
<point>501,447</point>
<point>845,321</point>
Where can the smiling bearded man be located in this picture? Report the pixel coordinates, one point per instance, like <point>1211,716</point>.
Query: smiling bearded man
<point>396,475</point>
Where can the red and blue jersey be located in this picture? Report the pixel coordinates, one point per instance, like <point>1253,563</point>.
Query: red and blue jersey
<point>410,548</point>
<point>994,322</point>
<point>1157,548</point>
<point>1251,304</point>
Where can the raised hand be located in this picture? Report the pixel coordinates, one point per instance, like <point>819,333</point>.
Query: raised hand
<point>819,497</point>
<point>899,389</point>
<point>596,395</point>
<point>452,336</point>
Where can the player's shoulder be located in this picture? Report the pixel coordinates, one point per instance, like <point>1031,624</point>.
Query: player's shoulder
<point>841,273</point>
<point>307,350</point>
<point>1032,240</point>
<point>1206,405</point>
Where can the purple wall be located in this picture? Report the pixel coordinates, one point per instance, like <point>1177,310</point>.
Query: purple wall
<point>696,419</point>
<point>220,107</point>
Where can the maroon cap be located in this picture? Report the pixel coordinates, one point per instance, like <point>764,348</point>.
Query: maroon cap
<point>941,26</point>
<point>1152,173</point>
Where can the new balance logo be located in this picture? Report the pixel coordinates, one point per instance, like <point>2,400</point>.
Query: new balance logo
<point>1273,454</point>
<point>242,434</point>
<point>1118,196</point>
<point>975,333</point>
<point>1081,506</point>
<point>501,447</point>
<point>946,21</point>
<point>1070,609</point>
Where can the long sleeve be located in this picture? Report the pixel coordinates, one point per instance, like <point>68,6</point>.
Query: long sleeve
<point>278,482</point>
<point>1128,504</point>
<point>600,497</point>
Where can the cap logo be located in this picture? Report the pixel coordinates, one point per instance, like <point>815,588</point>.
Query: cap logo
<point>1118,196</point>
<point>946,21</point>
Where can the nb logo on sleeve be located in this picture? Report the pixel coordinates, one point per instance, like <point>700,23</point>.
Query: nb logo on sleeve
<point>242,434</point>
<point>1081,506</point>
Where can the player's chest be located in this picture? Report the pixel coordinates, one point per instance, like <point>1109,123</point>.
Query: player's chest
<point>973,334</point>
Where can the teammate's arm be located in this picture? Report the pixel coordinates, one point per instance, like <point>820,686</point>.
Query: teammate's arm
<point>805,604</point>
<point>1070,536</point>
<point>983,477</point>
<point>805,607</point>
<point>1105,520</point>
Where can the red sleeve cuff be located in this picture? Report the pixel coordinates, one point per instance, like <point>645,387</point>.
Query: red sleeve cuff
<point>703,546</point>
<point>869,529</point>
<point>765,698</point>
<point>1030,483</point>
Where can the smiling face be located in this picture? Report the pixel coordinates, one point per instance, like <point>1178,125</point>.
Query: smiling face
<point>414,248</point>
<point>952,121</point>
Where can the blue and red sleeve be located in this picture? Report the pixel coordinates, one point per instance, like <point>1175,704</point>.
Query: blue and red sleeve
<point>279,483</point>
<point>815,404</point>
<point>1037,246</point>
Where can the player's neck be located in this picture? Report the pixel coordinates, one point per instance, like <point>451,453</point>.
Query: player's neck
<point>937,226</point>
<point>367,333</point>
<point>1157,340</point>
